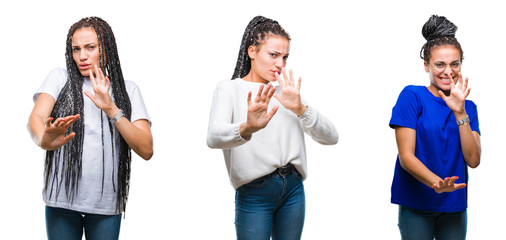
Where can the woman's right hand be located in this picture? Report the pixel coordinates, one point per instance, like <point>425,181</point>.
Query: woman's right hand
<point>258,117</point>
<point>448,185</point>
<point>54,133</point>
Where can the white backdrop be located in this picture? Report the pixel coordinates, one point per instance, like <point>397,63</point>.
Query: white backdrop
<point>354,58</point>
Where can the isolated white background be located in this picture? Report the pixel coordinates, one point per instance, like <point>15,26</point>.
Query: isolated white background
<point>354,58</point>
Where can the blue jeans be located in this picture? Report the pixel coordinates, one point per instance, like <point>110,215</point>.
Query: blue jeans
<point>68,224</point>
<point>421,225</point>
<point>272,205</point>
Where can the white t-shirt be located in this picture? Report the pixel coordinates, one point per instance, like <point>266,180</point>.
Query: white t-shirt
<point>279,143</point>
<point>98,164</point>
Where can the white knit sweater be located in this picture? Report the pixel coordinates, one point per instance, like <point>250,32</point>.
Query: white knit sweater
<point>279,143</point>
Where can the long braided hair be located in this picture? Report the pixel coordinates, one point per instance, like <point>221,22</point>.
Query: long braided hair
<point>258,28</point>
<point>439,31</point>
<point>68,158</point>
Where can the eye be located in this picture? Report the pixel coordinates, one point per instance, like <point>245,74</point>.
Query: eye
<point>273,55</point>
<point>285,58</point>
<point>75,49</point>
<point>439,65</point>
<point>455,65</point>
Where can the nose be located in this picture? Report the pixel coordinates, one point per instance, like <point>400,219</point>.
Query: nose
<point>280,63</point>
<point>83,55</point>
<point>448,70</point>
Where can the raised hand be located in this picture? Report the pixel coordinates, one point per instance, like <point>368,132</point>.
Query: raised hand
<point>54,133</point>
<point>258,117</point>
<point>101,97</point>
<point>458,94</point>
<point>290,94</point>
<point>448,185</point>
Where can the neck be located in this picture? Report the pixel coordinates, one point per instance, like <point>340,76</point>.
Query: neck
<point>252,77</point>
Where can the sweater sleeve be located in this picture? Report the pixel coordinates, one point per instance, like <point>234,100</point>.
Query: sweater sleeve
<point>319,127</point>
<point>222,133</point>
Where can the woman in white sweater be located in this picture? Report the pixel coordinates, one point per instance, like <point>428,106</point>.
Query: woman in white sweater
<point>263,137</point>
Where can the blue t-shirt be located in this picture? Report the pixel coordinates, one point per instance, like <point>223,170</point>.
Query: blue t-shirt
<point>437,147</point>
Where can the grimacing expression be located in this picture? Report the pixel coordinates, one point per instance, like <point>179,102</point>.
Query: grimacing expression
<point>444,64</point>
<point>269,58</point>
<point>85,50</point>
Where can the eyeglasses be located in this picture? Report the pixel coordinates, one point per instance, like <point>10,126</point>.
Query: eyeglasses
<point>441,66</point>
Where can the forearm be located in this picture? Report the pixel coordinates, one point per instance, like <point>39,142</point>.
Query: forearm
<point>139,137</point>
<point>225,136</point>
<point>319,127</point>
<point>36,128</point>
<point>470,143</point>
<point>418,170</point>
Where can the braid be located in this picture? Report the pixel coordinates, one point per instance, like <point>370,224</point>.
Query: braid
<point>70,102</point>
<point>439,31</point>
<point>258,28</point>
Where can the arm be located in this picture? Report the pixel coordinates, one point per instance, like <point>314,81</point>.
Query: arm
<point>470,140</point>
<point>48,135</point>
<point>137,134</point>
<point>224,134</point>
<point>316,125</point>
<point>406,140</point>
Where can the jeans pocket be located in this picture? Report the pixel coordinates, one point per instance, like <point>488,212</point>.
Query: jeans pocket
<point>255,184</point>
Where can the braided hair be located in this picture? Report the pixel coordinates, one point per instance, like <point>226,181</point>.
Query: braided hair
<point>258,28</point>
<point>439,31</point>
<point>70,102</point>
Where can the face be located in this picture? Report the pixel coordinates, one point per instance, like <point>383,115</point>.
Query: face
<point>444,63</point>
<point>85,50</point>
<point>268,59</point>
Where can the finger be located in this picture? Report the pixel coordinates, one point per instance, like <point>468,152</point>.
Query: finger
<point>265,93</point>
<point>259,94</point>
<point>446,181</point>
<point>70,122</point>
<point>269,95</point>
<point>467,92</point>
<point>92,79</point>
<point>276,96</point>
<point>69,137</point>
<point>460,185</point>
<point>452,181</point>
<point>298,84</point>
<point>442,95</point>
<point>452,81</point>
<point>99,75</point>
<point>48,121</point>
<point>291,77</point>
<point>466,81</point>
<point>273,111</point>
<point>249,98</point>
<point>90,95</point>
<point>280,81</point>
<point>285,77</point>
<point>107,81</point>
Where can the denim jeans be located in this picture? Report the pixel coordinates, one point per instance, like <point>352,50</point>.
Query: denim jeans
<point>272,205</point>
<point>68,224</point>
<point>421,225</point>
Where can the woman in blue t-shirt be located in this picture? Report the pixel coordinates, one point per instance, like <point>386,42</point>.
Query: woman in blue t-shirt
<point>438,136</point>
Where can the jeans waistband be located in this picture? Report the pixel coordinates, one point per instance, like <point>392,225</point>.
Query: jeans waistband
<point>285,170</point>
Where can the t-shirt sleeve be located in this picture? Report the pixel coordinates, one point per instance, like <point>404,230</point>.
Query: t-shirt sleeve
<point>406,110</point>
<point>139,110</point>
<point>473,116</point>
<point>53,84</point>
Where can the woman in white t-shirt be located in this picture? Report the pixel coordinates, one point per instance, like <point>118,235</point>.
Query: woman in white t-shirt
<point>264,149</point>
<point>88,118</point>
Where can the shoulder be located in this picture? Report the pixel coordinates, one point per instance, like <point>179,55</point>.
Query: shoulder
<point>58,74</point>
<point>130,85</point>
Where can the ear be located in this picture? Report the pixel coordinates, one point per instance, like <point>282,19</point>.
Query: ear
<point>252,50</point>
<point>426,66</point>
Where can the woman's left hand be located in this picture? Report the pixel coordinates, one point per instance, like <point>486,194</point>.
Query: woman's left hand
<point>458,95</point>
<point>101,97</point>
<point>290,97</point>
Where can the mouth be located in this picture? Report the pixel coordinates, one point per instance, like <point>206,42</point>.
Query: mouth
<point>84,66</point>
